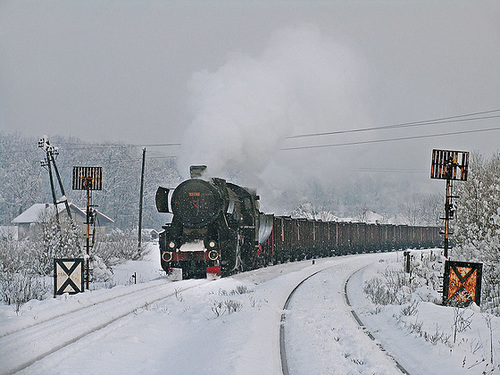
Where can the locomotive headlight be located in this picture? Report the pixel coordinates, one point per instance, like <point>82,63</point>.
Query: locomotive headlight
<point>213,255</point>
<point>211,244</point>
<point>171,245</point>
<point>167,256</point>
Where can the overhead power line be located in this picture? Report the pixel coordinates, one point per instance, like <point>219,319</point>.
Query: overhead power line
<point>389,170</point>
<point>390,139</point>
<point>442,120</point>
<point>79,146</point>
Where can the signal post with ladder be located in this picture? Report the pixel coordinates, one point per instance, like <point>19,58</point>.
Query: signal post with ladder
<point>449,165</point>
<point>88,178</point>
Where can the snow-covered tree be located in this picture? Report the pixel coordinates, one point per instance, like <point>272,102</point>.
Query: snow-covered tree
<point>477,225</point>
<point>49,240</point>
<point>309,211</point>
<point>421,209</point>
<point>478,207</point>
<point>20,176</point>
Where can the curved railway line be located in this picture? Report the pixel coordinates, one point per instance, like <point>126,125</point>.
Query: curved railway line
<point>282,342</point>
<point>78,324</point>
<point>284,363</point>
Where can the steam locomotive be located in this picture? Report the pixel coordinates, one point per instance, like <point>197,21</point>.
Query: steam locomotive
<point>217,229</point>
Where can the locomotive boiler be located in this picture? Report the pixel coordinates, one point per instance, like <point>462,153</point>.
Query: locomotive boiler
<point>216,229</point>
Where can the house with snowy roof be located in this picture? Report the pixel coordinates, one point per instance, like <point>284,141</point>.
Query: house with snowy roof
<point>41,212</point>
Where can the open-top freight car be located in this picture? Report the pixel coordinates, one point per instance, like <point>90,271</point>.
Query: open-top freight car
<point>295,239</point>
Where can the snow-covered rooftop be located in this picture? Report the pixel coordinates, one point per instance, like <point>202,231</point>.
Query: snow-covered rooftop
<point>38,210</point>
<point>35,213</point>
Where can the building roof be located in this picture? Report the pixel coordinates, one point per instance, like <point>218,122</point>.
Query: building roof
<point>35,213</point>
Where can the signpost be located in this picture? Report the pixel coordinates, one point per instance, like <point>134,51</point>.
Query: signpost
<point>68,276</point>
<point>87,178</point>
<point>462,283</point>
<point>449,165</point>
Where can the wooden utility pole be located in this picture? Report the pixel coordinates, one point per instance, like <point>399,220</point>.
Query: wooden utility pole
<point>50,162</point>
<point>141,194</point>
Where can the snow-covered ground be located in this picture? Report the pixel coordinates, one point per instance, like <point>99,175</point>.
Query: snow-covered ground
<point>231,326</point>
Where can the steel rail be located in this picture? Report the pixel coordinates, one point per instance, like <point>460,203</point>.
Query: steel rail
<point>140,287</point>
<point>284,363</point>
<point>13,342</point>
<point>283,358</point>
<point>363,326</point>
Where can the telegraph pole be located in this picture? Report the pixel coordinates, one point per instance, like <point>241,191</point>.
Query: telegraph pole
<point>50,162</point>
<point>141,194</point>
<point>64,199</point>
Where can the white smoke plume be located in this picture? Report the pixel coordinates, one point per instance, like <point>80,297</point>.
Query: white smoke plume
<point>303,82</point>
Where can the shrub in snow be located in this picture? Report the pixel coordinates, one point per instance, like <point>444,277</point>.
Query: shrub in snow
<point>116,248</point>
<point>19,281</point>
<point>49,240</point>
<point>228,306</point>
<point>20,287</point>
<point>395,287</point>
<point>100,272</point>
<point>240,289</point>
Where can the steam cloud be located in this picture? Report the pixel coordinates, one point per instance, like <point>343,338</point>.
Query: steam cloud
<point>302,83</point>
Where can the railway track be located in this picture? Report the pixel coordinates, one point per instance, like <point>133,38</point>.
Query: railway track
<point>5,331</point>
<point>19,348</point>
<point>346,308</point>
<point>363,327</point>
<point>284,362</point>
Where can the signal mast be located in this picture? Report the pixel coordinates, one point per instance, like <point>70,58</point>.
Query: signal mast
<point>449,165</point>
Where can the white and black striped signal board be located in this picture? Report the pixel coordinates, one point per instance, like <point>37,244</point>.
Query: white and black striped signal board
<point>449,165</point>
<point>68,276</point>
<point>87,178</point>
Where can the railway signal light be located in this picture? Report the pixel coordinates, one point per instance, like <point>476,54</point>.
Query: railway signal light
<point>449,165</point>
<point>88,178</point>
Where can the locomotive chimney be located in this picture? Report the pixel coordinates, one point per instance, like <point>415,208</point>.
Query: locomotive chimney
<point>197,171</point>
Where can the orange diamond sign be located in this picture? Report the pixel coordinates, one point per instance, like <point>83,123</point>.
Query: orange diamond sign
<point>462,283</point>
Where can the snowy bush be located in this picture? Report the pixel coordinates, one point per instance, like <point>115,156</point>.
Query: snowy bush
<point>100,272</point>
<point>395,287</point>
<point>48,240</point>
<point>115,250</point>
<point>20,287</point>
<point>25,265</point>
<point>228,306</point>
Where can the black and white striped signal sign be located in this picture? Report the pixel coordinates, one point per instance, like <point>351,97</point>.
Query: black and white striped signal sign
<point>68,276</point>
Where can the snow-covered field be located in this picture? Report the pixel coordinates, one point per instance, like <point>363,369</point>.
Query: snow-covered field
<point>232,326</point>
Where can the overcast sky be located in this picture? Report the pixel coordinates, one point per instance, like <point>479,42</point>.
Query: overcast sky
<point>231,80</point>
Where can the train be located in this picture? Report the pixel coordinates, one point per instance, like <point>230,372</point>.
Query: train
<point>217,229</point>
